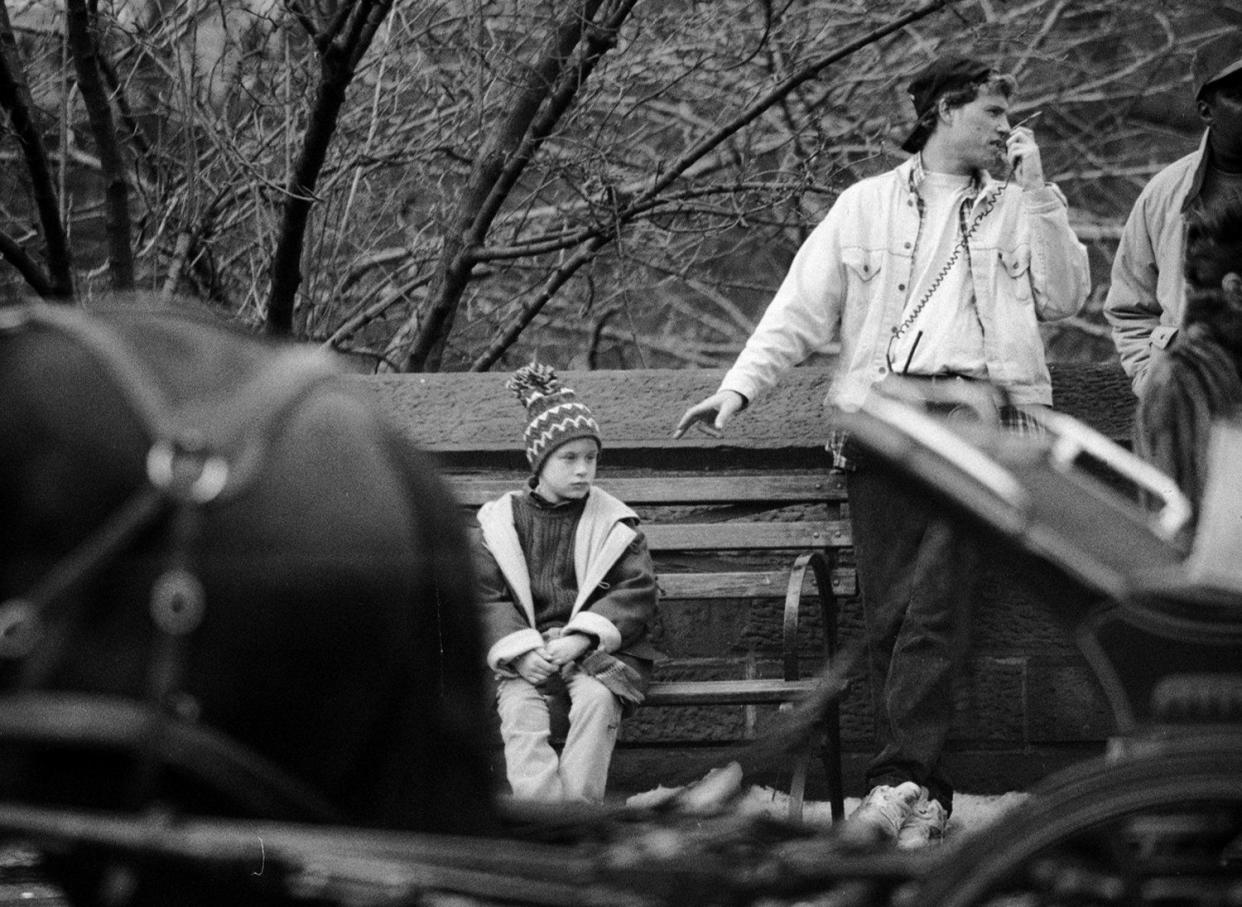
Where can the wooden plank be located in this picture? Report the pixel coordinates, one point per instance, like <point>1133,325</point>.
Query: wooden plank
<point>728,692</point>
<point>740,536</point>
<point>473,490</point>
<point>754,584</point>
<point>746,585</point>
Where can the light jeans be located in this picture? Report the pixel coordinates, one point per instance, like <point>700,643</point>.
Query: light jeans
<point>531,764</point>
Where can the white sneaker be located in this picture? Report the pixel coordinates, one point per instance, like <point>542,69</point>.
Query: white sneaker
<point>884,811</point>
<point>924,826</point>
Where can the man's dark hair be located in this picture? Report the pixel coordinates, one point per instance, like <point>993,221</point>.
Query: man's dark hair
<point>1002,83</point>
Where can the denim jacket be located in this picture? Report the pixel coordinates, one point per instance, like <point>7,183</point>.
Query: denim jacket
<point>1147,292</point>
<point>850,280</point>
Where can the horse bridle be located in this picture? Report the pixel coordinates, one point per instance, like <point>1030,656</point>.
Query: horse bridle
<point>177,598</point>
<point>201,452</point>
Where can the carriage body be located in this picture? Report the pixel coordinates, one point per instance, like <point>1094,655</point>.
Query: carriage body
<point>1157,613</point>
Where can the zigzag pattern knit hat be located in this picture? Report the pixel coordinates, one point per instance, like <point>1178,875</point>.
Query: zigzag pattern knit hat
<point>555,413</point>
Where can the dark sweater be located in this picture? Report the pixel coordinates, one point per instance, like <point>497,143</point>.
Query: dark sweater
<point>546,533</point>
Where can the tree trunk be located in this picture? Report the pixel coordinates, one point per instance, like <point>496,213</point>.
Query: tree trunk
<point>496,169</point>
<point>78,22</point>
<point>340,48</point>
<point>16,100</point>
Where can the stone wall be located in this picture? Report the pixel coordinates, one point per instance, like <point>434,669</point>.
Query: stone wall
<point>461,415</point>
<point>1029,704</point>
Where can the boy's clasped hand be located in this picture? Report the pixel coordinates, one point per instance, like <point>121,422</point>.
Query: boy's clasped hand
<point>537,665</point>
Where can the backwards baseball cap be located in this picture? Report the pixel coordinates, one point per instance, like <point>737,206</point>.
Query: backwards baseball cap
<point>948,73</point>
<point>1218,58</point>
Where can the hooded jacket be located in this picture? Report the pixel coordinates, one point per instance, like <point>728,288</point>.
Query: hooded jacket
<point>616,582</point>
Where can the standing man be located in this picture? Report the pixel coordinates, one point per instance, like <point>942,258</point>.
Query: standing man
<point>1148,293</point>
<point>933,270</point>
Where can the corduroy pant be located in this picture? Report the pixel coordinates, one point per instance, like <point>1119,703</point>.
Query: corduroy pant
<point>532,766</point>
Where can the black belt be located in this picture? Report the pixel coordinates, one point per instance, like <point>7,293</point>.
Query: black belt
<point>952,408</point>
<point>941,378</point>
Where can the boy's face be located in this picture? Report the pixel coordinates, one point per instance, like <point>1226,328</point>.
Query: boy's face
<point>568,471</point>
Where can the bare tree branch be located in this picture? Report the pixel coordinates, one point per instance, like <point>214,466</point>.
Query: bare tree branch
<point>507,335</point>
<point>517,323</point>
<point>15,254</point>
<point>366,312</point>
<point>338,63</point>
<point>17,103</point>
<point>495,170</point>
<point>79,23</point>
<point>687,163</point>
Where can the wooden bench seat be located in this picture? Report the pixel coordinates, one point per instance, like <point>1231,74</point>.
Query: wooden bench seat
<point>737,539</point>
<point>727,692</point>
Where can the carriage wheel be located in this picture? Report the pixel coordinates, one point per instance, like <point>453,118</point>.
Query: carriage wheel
<point>1160,828</point>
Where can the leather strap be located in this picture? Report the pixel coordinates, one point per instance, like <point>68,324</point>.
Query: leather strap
<point>202,450</point>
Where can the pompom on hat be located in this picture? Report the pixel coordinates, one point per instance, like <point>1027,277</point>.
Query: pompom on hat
<point>555,414</point>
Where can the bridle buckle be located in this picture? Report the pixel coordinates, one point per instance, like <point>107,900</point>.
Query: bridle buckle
<point>19,628</point>
<point>183,470</point>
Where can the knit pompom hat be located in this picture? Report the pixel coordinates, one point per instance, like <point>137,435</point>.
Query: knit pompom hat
<point>555,413</point>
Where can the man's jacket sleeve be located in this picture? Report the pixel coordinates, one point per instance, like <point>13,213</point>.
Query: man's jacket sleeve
<point>1060,275</point>
<point>1132,307</point>
<point>803,316</point>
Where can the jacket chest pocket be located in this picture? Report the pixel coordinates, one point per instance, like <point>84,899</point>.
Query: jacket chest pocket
<point>1013,268</point>
<point>861,268</point>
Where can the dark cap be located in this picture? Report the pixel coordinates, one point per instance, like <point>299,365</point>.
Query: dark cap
<point>1218,58</point>
<point>948,73</point>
